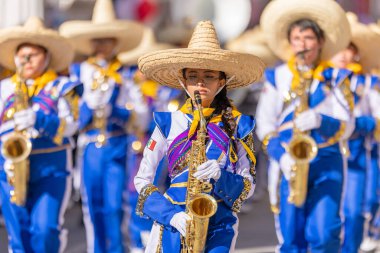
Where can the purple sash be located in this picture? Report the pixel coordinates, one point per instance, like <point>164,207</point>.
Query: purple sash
<point>181,146</point>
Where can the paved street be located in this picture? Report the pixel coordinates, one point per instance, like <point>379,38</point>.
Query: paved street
<point>256,230</point>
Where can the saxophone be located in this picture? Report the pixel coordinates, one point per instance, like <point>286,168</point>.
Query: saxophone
<point>302,148</point>
<point>99,116</point>
<point>200,206</point>
<point>17,146</point>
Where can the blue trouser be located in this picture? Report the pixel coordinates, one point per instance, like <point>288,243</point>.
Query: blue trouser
<point>372,195</point>
<point>103,184</point>
<point>36,226</point>
<point>354,199</point>
<point>317,224</point>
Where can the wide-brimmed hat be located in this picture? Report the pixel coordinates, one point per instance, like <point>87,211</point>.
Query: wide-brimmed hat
<point>34,32</point>
<point>253,42</point>
<point>148,44</point>
<point>103,25</point>
<point>203,52</point>
<point>278,15</point>
<point>367,39</point>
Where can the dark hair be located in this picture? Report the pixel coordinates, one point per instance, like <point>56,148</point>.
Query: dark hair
<point>305,24</point>
<point>352,46</point>
<point>31,44</point>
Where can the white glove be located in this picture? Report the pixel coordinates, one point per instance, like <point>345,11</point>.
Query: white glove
<point>179,221</point>
<point>286,163</point>
<point>207,170</point>
<point>308,120</point>
<point>8,168</point>
<point>24,119</point>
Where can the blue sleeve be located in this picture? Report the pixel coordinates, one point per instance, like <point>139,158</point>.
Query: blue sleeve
<point>245,126</point>
<point>364,125</point>
<point>46,124</point>
<point>229,187</point>
<point>275,149</point>
<point>270,76</point>
<point>159,209</point>
<point>329,126</point>
<point>85,117</point>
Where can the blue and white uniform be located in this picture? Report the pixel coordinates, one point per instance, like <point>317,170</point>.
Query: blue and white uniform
<point>360,188</point>
<point>36,226</point>
<point>104,168</point>
<point>309,226</point>
<point>235,184</point>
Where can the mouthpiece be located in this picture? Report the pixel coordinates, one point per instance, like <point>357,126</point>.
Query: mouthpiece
<point>197,97</point>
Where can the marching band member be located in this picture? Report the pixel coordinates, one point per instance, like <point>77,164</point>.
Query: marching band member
<point>360,176</point>
<point>228,162</point>
<point>40,107</point>
<point>104,115</point>
<point>302,114</point>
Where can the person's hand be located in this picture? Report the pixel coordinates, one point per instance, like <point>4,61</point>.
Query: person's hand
<point>207,170</point>
<point>308,120</point>
<point>286,164</point>
<point>8,168</point>
<point>179,221</point>
<point>24,119</point>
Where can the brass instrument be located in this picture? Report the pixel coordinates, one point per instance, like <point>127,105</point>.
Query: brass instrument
<point>200,206</point>
<point>302,148</point>
<point>17,146</point>
<point>99,119</point>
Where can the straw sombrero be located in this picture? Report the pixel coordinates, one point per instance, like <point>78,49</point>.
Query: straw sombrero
<point>253,42</point>
<point>103,25</point>
<point>279,14</point>
<point>203,52</point>
<point>148,44</point>
<point>367,39</point>
<point>34,32</point>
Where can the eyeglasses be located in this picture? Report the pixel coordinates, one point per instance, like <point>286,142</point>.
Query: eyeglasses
<point>193,80</point>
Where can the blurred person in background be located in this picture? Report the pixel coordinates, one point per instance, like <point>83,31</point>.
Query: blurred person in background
<point>254,42</point>
<point>41,106</point>
<point>108,105</point>
<point>360,196</point>
<point>158,98</point>
<point>298,101</point>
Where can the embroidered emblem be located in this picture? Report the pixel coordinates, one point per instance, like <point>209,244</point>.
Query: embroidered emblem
<point>151,144</point>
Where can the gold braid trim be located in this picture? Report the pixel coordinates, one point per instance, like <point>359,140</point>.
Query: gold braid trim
<point>58,138</point>
<point>248,140</point>
<point>146,191</point>
<point>159,245</point>
<point>266,140</point>
<point>337,135</point>
<point>347,93</point>
<point>243,196</point>
<point>376,133</point>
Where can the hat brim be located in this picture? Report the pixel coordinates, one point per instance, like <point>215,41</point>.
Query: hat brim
<point>165,66</point>
<point>280,14</point>
<point>367,39</point>
<point>59,48</point>
<point>131,57</point>
<point>80,34</point>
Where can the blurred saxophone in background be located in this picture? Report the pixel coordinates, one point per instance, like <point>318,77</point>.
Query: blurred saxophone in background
<point>302,148</point>
<point>17,146</point>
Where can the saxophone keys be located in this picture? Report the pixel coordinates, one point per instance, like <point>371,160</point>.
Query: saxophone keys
<point>206,187</point>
